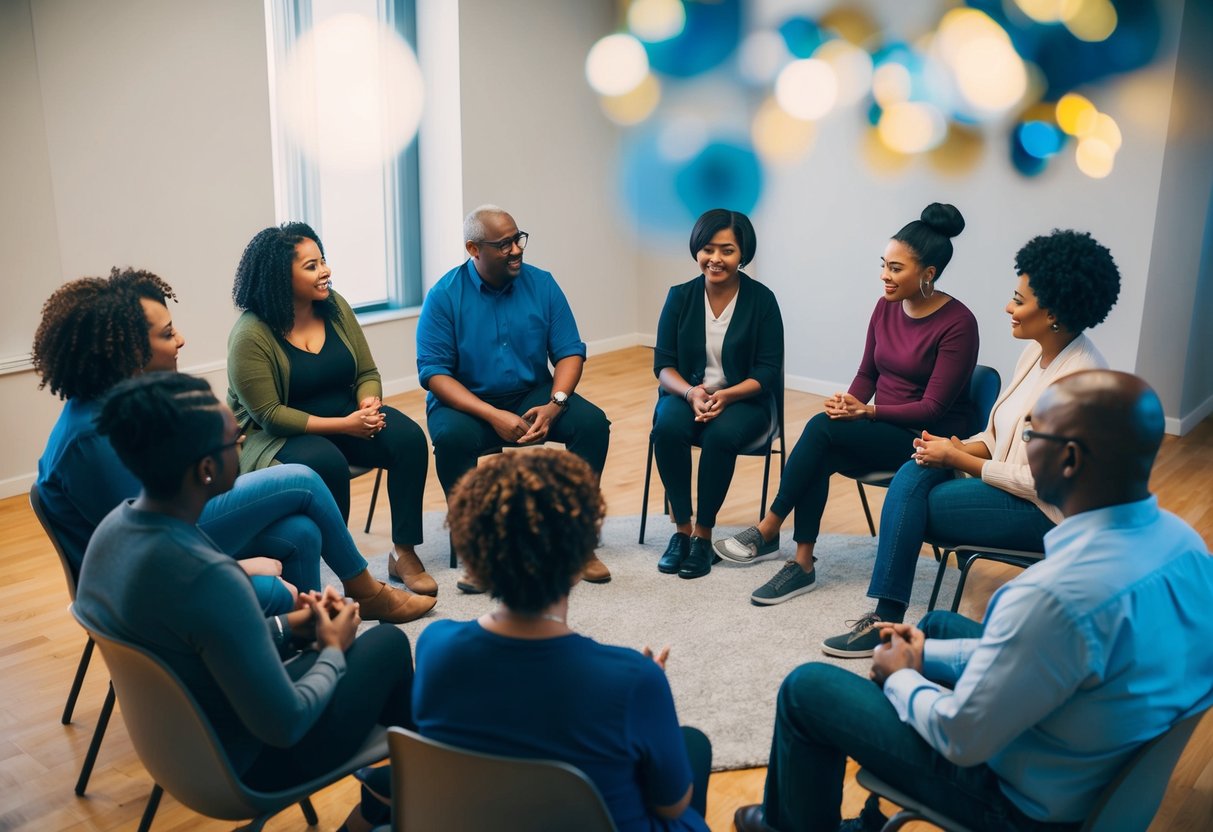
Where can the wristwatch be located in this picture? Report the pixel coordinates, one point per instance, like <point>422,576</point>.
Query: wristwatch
<point>561,400</point>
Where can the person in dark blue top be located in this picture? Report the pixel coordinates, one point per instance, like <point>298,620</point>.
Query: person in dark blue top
<point>719,359</point>
<point>487,332</point>
<point>519,682</point>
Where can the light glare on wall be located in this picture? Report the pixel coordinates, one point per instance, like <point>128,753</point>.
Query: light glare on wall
<point>912,127</point>
<point>351,93</point>
<point>616,65</point>
<point>778,137</point>
<point>852,69</point>
<point>807,89</point>
<point>635,106</point>
<point>1094,157</point>
<point>1092,20</point>
<point>1072,111</point>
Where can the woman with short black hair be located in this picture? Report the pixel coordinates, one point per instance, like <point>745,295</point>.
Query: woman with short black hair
<point>719,363</point>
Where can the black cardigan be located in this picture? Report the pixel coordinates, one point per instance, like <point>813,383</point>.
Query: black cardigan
<point>753,344</point>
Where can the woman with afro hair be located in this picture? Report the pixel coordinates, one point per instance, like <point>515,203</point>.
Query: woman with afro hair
<point>304,387</point>
<point>96,332</point>
<point>1068,283</point>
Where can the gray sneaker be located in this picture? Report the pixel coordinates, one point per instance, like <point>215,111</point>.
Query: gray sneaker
<point>747,547</point>
<point>859,643</point>
<point>787,584</point>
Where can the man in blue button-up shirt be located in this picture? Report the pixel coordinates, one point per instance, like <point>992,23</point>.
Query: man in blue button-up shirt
<point>487,332</point>
<point>1022,721</point>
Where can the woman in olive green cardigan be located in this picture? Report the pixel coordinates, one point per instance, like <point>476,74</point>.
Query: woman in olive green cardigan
<point>304,387</point>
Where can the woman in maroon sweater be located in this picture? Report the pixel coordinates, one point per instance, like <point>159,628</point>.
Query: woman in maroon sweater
<point>921,349</point>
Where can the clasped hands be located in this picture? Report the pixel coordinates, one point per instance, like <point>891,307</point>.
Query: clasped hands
<point>900,648</point>
<point>932,451</point>
<point>707,406</point>
<point>845,407</point>
<point>368,419</point>
<point>332,617</point>
<point>530,428</point>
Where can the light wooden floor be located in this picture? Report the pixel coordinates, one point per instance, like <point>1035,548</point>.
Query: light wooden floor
<point>40,645</point>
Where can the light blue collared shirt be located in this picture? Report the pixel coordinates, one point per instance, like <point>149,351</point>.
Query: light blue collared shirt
<point>495,342</point>
<point>1086,655</point>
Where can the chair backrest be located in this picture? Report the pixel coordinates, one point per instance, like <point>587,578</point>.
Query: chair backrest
<point>173,739</point>
<point>1132,798</point>
<point>984,387</point>
<point>439,786</point>
<point>69,571</point>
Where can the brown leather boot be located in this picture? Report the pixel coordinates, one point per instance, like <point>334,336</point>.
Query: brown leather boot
<point>394,606</point>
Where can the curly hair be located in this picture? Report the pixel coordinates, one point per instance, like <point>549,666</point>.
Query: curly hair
<point>159,425</point>
<point>94,332</point>
<point>1072,276</point>
<point>263,278</point>
<point>526,524</point>
<point>931,235</point>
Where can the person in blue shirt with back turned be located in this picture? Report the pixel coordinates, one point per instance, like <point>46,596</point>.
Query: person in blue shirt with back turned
<point>487,332</point>
<point>1020,722</point>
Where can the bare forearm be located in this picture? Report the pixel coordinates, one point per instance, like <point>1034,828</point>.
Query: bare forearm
<point>327,425</point>
<point>673,383</point>
<point>451,392</point>
<point>566,374</point>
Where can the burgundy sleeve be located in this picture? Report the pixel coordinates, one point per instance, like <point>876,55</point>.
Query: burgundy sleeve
<point>863,386</point>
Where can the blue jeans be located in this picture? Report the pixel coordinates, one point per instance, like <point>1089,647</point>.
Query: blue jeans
<point>930,504</point>
<point>825,714</point>
<point>284,512</point>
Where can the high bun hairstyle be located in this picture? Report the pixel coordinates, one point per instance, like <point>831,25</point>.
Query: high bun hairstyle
<point>160,424</point>
<point>930,237</point>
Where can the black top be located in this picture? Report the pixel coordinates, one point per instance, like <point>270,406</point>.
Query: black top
<point>753,344</point>
<point>322,382</point>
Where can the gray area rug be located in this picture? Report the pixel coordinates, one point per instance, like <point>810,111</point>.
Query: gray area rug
<point>727,657</point>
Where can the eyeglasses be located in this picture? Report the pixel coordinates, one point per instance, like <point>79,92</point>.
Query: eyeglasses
<point>238,444</point>
<point>1028,435</point>
<point>506,245</point>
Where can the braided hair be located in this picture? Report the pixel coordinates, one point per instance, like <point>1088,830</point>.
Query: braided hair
<point>159,425</point>
<point>526,524</point>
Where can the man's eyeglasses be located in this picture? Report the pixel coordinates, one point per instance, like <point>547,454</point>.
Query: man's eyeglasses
<point>506,245</point>
<point>1028,435</point>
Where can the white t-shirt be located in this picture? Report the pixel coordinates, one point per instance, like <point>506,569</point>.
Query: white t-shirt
<point>714,330</point>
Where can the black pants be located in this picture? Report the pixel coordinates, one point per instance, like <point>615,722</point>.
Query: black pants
<point>377,689</point>
<point>827,446</point>
<point>738,428</point>
<point>400,448</point>
<point>459,438</point>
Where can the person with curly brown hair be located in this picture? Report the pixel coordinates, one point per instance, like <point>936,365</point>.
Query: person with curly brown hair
<point>1068,283</point>
<point>520,682</point>
<point>305,388</point>
<point>96,332</point>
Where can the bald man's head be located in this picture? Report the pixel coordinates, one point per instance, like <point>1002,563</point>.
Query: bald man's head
<point>1094,437</point>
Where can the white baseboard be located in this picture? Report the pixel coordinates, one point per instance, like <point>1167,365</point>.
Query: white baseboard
<point>1185,423</point>
<point>616,342</point>
<point>807,384</point>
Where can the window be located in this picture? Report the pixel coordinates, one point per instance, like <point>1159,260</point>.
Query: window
<point>345,103</point>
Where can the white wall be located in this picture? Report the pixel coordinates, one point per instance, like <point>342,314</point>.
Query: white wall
<point>138,132</point>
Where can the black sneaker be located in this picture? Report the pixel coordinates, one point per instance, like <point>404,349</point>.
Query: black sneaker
<point>675,553</point>
<point>699,562</point>
<point>859,643</point>
<point>871,819</point>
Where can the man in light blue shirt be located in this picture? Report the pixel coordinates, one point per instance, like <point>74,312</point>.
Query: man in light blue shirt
<point>1021,722</point>
<point>487,332</point>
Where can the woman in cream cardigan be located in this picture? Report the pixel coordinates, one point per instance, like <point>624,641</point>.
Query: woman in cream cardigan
<point>1067,283</point>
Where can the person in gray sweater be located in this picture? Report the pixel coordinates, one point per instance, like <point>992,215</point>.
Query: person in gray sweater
<point>153,578</point>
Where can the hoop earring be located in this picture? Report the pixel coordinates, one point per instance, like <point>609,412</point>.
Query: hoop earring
<point>921,287</point>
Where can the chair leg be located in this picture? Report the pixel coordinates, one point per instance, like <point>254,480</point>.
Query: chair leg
<point>90,758</point>
<point>454,560</point>
<point>867,512</point>
<point>644,502</point>
<point>374,498</point>
<point>149,811</point>
<point>74,693</point>
<point>964,575</point>
<point>309,811</point>
<point>942,557</point>
<point>766,481</point>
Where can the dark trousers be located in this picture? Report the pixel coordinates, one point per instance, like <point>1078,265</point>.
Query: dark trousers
<point>399,448</point>
<point>828,446</point>
<point>375,690</point>
<point>459,438</point>
<point>699,752</point>
<point>825,714</point>
<point>736,429</point>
